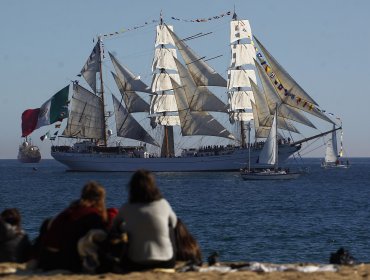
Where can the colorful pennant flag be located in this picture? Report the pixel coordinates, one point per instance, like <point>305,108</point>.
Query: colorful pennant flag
<point>45,136</point>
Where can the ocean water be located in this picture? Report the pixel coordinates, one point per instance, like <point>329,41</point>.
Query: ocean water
<point>302,220</point>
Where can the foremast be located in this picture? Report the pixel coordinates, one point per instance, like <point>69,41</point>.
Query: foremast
<point>241,70</point>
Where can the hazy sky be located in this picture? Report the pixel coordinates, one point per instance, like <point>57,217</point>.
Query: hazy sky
<point>323,44</point>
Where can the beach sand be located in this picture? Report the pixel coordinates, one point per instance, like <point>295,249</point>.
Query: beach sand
<point>360,271</point>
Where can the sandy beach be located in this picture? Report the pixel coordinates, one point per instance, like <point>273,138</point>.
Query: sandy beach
<point>360,271</point>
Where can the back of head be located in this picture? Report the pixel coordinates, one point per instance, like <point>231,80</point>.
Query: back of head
<point>142,187</point>
<point>12,216</point>
<point>93,195</point>
<point>187,247</point>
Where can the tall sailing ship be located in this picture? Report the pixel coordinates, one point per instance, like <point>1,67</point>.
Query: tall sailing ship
<point>180,104</point>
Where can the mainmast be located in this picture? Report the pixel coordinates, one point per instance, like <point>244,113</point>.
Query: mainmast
<point>101,52</point>
<point>241,69</point>
<point>163,103</point>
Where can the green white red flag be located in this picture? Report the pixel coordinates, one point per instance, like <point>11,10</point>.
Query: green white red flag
<point>53,110</point>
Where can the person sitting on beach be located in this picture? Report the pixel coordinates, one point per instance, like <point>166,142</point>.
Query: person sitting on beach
<point>15,245</point>
<point>148,220</point>
<point>59,244</point>
<point>187,248</point>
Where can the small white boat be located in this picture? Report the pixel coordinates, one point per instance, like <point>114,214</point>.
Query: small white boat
<point>333,159</point>
<point>268,174</point>
<point>269,156</point>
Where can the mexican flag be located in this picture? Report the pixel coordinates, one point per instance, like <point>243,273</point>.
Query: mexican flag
<point>53,110</point>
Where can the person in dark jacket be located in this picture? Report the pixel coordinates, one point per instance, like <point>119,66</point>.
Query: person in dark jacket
<point>59,243</point>
<point>15,245</point>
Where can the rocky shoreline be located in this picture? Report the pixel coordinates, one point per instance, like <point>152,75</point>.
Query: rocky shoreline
<point>224,271</point>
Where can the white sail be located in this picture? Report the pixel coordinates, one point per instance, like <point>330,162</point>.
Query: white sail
<point>202,73</point>
<point>240,29</point>
<point>129,81</point>
<point>163,103</point>
<point>331,154</point>
<point>196,123</point>
<point>240,100</point>
<point>288,89</point>
<point>273,99</point>
<point>241,116</point>
<point>91,67</point>
<point>289,83</point>
<point>163,58</point>
<point>240,78</point>
<point>199,98</point>
<point>86,118</point>
<point>259,130</point>
<point>265,118</point>
<point>242,54</point>
<point>168,120</point>
<point>134,103</point>
<point>128,127</point>
<point>163,36</point>
<point>162,81</point>
<point>269,151</point>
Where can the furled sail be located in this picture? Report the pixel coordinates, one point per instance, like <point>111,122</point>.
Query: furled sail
<point>129,81</point>
<point>269,151</point>
<point>91,67</point>
<point>134,103</point>
<point>199,98</point>
<point>195,122</point>
<point>168,120</point>
<point>273,99</point>
<point>128,127</point>
<point>241,116</point>
<point>287,88</point>
<point>202,73</point>
<point>86,118</point>
<point>265,117</point>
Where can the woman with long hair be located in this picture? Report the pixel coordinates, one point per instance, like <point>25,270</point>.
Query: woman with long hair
<point>59,243</point>
<point>148,220</point>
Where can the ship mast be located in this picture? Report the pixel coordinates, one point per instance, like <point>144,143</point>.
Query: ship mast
<point>163,102</point>
<point>167,129</point>
<point>102,89</point>
<point>242,127</point>
<point>239,84</point>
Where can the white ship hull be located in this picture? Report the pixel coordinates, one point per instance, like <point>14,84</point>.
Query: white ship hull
<point>269,175</point>
<point>333,165</point>
<point>108,162</point>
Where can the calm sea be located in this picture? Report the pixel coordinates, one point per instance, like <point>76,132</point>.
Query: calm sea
<point>302,220</point>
